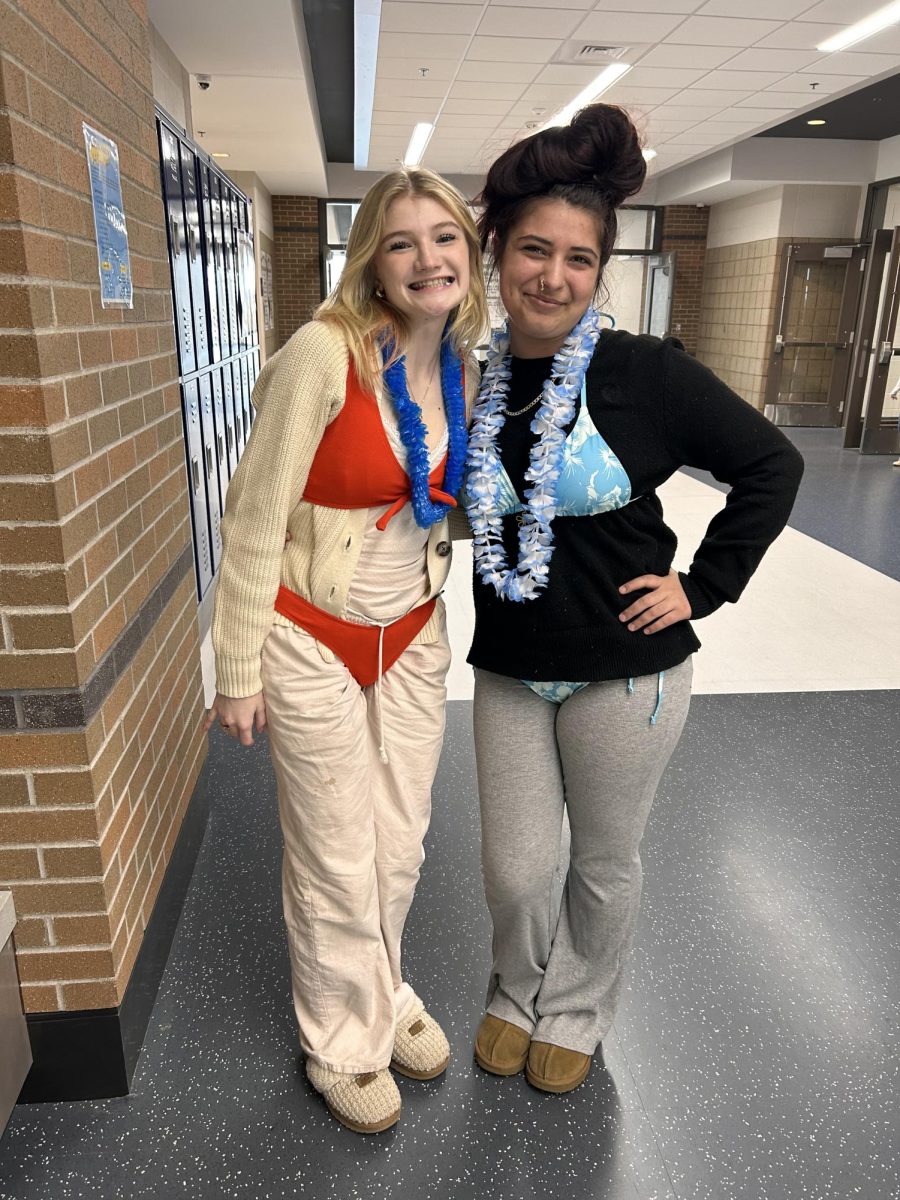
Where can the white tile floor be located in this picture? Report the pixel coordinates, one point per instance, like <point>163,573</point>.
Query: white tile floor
<point>811,620</point>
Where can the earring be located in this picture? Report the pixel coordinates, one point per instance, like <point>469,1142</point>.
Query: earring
<point>379,291</point>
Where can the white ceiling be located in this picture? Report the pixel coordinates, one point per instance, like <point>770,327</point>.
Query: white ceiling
<point>705,75</point>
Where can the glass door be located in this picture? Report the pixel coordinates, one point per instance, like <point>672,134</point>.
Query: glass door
<point>881,402</point>
<point>810,361</point>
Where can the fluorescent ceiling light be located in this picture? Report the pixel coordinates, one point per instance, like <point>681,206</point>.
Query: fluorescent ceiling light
<point>866,28</point>
<point>421,136</point>
<point>818,121</point>
<point>220,154</point>
<point>366,27</point>
<point>593,91</point>
<point>648,154</point>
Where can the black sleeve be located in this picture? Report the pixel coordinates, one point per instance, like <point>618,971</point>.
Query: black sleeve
<point>708,426</point>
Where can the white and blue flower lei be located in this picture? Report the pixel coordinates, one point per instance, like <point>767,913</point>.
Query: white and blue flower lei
<point>557,409</point>
<point>412,433</point>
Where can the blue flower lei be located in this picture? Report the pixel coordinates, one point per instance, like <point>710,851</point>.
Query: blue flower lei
<point>557,409</point>
<point>412,432</point>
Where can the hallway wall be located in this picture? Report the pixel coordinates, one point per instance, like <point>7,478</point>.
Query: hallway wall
<point>100,689</point>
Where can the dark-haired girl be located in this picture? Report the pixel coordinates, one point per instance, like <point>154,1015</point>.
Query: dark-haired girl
<point>582,643</point>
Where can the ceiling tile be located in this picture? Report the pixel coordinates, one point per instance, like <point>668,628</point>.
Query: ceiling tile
<point>729,80</point>
<point>798,35</point>
<point>503,72</point>
<point>623,93</point>
<point>761,113</point>
<point>627,26</point>
<point>849,62</point>
<point>676,77</point>
<point>777,10</point>
<point>710,96</point>
<point>825,84</point>
<point>501,21</point>
<point>650,6</point>
<point>568,74</point>
<point>688,56</point>
<point>477,106</point>
<point>467,120</point>
<point>681,112</point>
<point>773,60</point>
<point>414,88</point>
<point>833,11</point>
<point>486,89</point>
<point>421,47</point>
<point>404,68</point>
<point>513,49</point>
<point>786,101</point>
<point>399,17</point>
<point>722,31</point>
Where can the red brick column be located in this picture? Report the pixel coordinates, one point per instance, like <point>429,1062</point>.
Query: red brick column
<point>298,289</point>
<point>684,234</point>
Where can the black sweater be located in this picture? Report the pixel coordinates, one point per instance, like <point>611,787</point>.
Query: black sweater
<point>658,409</point>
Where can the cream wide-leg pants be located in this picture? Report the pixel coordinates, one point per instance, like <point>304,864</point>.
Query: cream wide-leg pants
<point>353,828</point>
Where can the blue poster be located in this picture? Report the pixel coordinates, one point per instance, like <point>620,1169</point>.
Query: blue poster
<point>113,261</point>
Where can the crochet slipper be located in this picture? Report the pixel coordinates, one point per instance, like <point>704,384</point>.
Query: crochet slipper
<point>368,1103</point>
<point>421,1050</point>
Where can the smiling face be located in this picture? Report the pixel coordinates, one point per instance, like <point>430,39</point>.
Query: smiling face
<point>558,243</point>
<point>422,262</point>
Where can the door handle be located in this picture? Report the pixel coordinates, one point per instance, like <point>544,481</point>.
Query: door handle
<point>195,472</point>
<point>885,350</point>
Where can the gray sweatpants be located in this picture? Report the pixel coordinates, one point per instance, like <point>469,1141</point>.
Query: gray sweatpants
<point>559,961</point>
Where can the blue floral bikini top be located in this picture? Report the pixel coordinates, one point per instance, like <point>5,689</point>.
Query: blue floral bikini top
<point>592,479</point>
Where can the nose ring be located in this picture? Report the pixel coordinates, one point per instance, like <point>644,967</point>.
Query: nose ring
<point>541,283</point>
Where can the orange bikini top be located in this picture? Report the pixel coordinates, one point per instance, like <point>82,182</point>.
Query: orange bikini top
<point>355,467</point>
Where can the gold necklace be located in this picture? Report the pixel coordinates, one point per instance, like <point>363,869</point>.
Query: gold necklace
<point>421,403</point>
<point>517,412</point>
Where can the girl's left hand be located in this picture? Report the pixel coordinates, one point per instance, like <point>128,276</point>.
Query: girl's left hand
<point>664,604</point>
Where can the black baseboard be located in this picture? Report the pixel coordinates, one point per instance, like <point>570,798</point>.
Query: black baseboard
<point>92,1055</point>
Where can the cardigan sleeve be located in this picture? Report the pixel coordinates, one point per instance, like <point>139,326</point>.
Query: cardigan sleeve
<point>708,426</point>
<point>299,391</point>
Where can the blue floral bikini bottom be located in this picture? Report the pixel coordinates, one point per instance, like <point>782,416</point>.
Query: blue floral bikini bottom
<point>557,691</point>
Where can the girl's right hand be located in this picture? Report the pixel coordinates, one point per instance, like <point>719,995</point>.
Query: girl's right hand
<point>237,716</point>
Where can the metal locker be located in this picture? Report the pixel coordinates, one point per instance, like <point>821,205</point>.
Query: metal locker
<point>209,262</point>
<point>247,387</point>
<point>170,165</point>
<point>230,431</point>
<point>197,485</point>
<point>239,408</point>
<point>254,375</point>
<point>194,254</point>
<point>210,467</point>
<point>222,436</point>
<point>230,257</point>
<point>215,187</point>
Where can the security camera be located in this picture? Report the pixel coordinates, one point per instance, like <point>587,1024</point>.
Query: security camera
<point>204,82</point>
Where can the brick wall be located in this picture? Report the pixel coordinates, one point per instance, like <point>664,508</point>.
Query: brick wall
<point>297,278</point>
<point>100,691</point>
<point>684,234</point>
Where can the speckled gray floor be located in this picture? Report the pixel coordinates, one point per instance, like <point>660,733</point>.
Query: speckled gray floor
<point>755,1056</point>
<point>847,500</point>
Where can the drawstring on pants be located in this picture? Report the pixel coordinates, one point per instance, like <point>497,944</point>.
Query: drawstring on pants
<point>629,687</point>
<point>382,752</point>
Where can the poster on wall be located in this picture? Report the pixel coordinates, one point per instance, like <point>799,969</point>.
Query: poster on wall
<point>113,260</point>
<point>266,290</point>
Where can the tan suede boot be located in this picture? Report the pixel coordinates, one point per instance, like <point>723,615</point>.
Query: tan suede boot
<point>500,1046</point>
<point>554,1069</point>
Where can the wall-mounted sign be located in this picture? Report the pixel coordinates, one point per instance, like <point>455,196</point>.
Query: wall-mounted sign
<point>113,261</point>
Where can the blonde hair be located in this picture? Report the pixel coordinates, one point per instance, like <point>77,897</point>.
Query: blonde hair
<point>368,321</point>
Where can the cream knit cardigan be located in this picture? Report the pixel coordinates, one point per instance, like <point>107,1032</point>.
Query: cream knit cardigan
<point>300,390</point>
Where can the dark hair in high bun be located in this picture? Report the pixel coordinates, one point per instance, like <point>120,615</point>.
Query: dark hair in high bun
<point>594,163</point>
